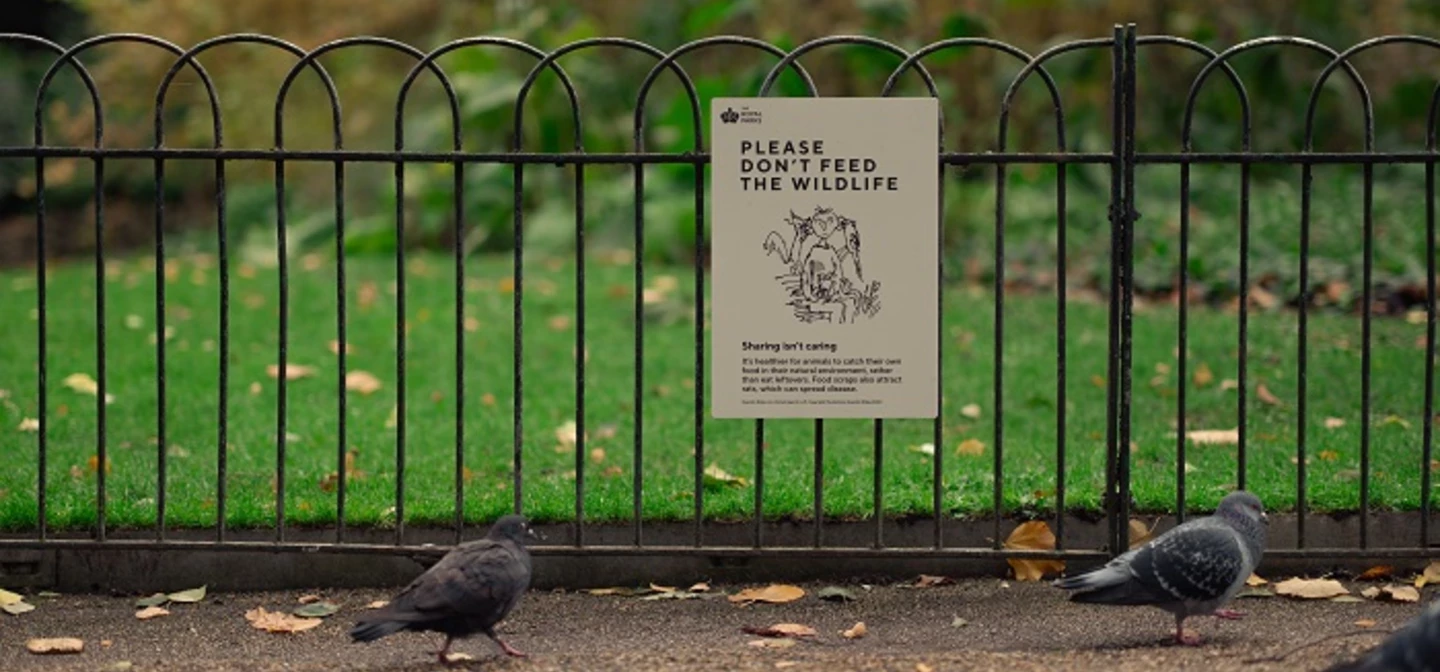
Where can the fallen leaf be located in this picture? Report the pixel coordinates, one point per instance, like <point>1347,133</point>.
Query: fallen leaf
<point>1097,381</point>
<point>153,601</point>
<point>1334,423</point>
<point>55,645</point>
<point>334,347</point>
<point>1394,420</point>
<point>772,643</point>
<point>1370,593</point>
<point>1203,376</point>
<point>922,667</point>
<point>777,593</point>
<point>560,322</point>
<point>957,622</point>
<point>836,594</point>
<point>458,657</point>
<point>716,477</point>
<point>1033,535</point>
<point>1401,593</point>
<point>856,631</point>
<point>1140,533</point>
<point>1376,573</point>
<point>82,383</point>
<point>92,464</point>
<point>1365,623</point>
<point>292,371</point>
<point>1346,598</point>
<point>1310,589</point>
<point>701,587</point>
<point>487,399</point>
<point>275,621</point>
<point>1229,384</point>
<point>1254,592</point>
<point>931,580</point>
<point>1329,455</point>
<point>971,411</point>
<point>1255,581</point>
<point>363,382</point>
<point>784,664</point>
<point>1267,396</point>
<point>1215,436</point>
<point>923,449</point>
<point>1429,576</point>
<point>566,434</point>
<point>597,455</point>
<point>192,595</point>
<point>29,424</point>
<point>17,608</point>
<point>151,612</point>
<point>970,447</point>
<point>316,609</point>
<point>672,595</point>
<point>255,388</point>
<point>781,630</point>
<point>308,598</point>
<point>7,597</point>
<point>378,604</point>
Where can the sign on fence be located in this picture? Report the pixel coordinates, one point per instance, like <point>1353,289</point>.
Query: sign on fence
<point>825,261</point>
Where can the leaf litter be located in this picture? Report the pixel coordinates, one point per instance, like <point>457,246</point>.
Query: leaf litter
<point>1033,535</point>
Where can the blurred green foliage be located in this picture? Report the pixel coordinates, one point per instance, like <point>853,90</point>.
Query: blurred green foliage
<point>971,83</point>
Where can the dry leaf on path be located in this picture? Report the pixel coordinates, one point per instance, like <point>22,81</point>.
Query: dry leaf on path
<point>1255,581</point>
<point>316,609</point>
<point>1365,623</point>
<point>1310,589</point>
<point>781,630</point>
<point>1376,573</point>
<point>1033,535</point>
<point>17,608</point>
<point>362,382</point>
<point>701,587</point>
<point>308,598</point>
<point>772,643</point>
<point>151,612</point>
<point>1429,576</point>
<point>930,581</point>
<point>55,645</point>
<point>378,604</point>
<point>856,631</point>
<point>275,621</point>
<point>1401,593</point>
<point>192,595</point>
<point>292,371</point>
<point>1371,593</point>
<point>776,593</point>
<point>1214,436</point>
<point>7,597</point>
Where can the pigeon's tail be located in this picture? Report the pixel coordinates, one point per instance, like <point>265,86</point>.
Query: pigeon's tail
<point>1107,585</point>
<point>369,631</point>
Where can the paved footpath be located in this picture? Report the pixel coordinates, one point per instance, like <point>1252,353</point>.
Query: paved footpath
<point>1014,626</point>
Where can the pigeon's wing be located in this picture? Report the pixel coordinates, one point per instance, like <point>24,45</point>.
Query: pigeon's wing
<point>1196,563</point>
<point>483,578</point>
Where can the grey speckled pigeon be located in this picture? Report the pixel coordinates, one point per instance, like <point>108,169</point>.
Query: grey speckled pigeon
<point>1414,648</point>
<point>1193,569</point>
<point>470,590</point>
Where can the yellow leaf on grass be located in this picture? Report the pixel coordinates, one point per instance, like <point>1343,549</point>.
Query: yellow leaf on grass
<point>560,322</point>
<point>334,346</point>
<point>1334,423</point>
<point>971,447</point>
<point>856,631</point>
<point>717,477</point>
<point>775,593</point>
<point>1203,375</point>
<point>1214,436</point>
<point>362,382</point>
<point>1329,455</point>
<point>1310,589</point>
<point>1429,576</point>
<point>277,621</point>
<point>292,371</point>
<point>597,455</point>
<point>1267,396</point>
<point>1034,535</point>
<point>971,411</point>
<point>566,434</point>
<point>82,383</point>
<point>29,424</point>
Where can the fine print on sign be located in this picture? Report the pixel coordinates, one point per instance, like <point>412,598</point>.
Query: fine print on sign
<point>825,257</point>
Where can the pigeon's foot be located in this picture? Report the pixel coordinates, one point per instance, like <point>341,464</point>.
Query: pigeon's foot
<point>1188,638</point>
<point>509,650</point>
<point>1229,614</point>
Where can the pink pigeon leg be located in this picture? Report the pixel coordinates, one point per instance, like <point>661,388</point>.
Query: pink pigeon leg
<point>1229,614</point>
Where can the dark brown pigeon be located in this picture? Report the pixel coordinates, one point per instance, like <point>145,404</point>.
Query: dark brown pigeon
<point>470,590</point>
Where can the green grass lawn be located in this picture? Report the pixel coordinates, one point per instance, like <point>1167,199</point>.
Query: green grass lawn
<point>549,402</point>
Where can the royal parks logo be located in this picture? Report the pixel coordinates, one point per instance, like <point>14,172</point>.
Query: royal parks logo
<point>744,116</point>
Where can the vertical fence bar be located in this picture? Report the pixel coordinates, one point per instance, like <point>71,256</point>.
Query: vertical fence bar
<point>580,354</point>
<point>161,466</point>
<point>1060,352</point>
<point>1302,381</point>
<point>878,506</point>
<point>1427,445</point>
<point>1112,387</point>
<point>1368,175</point>
<point>759,532</point>
<point>222,430</point>
<point>102,459</point>
<point>699,172</point>
<point>819,491</point>
<point>1182,341</point>
<point>1243,347</point>
<point>400,320</point>
<point>1127,286</point>
<point>937,439</point>
<point>518,336</point>
<point>342,468</point>
<point>42,355</point>
<point>458,169</point>
<point>282,377</point>
<point>638,393</point>
<point>998,363</point>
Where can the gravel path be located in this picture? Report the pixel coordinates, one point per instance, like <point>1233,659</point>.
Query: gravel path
<point>1015,626</point>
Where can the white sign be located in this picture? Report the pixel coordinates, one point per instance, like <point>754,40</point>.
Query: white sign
<point>825,259</point>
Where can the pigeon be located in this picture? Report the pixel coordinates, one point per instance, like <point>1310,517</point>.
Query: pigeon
<point>1413,648</point>
<point>471,589</point>
<point>1193,569</point>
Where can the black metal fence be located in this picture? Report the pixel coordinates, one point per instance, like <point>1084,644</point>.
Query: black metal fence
<point>1122,160</point>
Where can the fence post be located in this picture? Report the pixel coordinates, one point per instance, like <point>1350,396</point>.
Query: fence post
<point>1122,215</point>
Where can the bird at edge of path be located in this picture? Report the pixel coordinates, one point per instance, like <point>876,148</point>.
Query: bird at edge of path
<point>1193,569</point>
<point>470,590</point>
<point>1413,648</point>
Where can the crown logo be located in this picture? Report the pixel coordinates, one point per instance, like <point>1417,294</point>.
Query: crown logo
<point>729,116</point>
